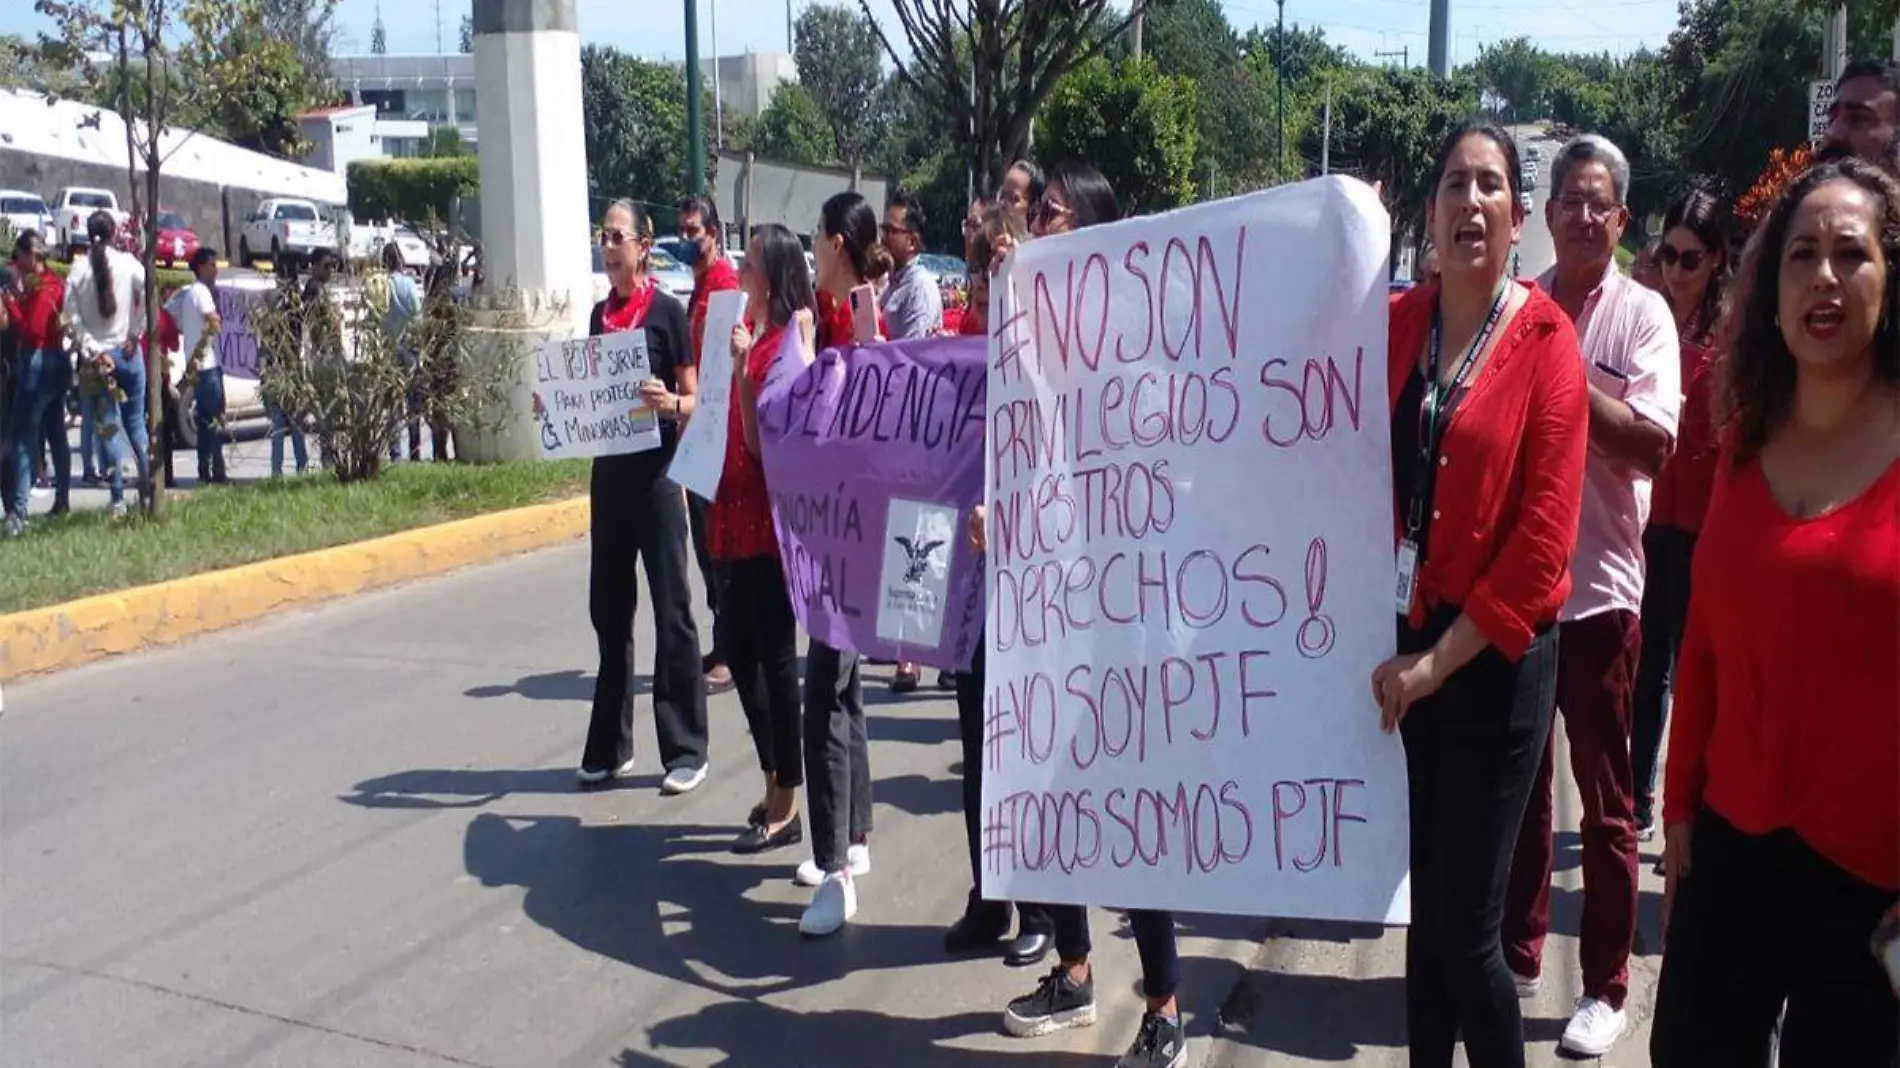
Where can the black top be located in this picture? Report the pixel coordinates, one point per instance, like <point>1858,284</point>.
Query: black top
<point>669,346</point>
<point>1408,428</point>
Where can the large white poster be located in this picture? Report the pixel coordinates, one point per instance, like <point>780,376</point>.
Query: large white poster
<point>1190,565</point>
<point>701,457</point>
<point>587,396</point>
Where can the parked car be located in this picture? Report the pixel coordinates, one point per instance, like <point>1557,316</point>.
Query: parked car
<point>284,226</point>
<point>177,241</point>
<point>25,211</point>
<point>72,207</point>
<point>953,276</point>
<point>674,277</point>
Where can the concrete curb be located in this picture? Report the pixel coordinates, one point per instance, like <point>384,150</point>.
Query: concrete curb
<point>63,636</point>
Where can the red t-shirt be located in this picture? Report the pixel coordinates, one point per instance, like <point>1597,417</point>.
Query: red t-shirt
<point>1509,484</point>
<point>1786,714</point>
<point>722,275</point>
<point>1681,494</point>
<point>34,316</point>
<point>739,525</point>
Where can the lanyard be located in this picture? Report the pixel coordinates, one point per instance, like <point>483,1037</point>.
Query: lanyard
<point>1432,406</point>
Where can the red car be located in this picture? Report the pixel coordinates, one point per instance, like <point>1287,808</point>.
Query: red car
<point>176,239</point>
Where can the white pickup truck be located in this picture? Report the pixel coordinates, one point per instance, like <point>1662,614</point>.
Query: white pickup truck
<point>72,207</point>
<point>284,225</point>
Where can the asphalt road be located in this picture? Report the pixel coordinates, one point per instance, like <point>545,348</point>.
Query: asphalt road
<point>350,836</point>
<point>1535,252</point>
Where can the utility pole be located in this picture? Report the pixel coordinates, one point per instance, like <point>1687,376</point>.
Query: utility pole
<point>719,108</point>
<point>1326,134</point>
<point>1140,12</point>
<point>789,43</point>
<point>1438,56</point>
<point>695,137</point>
<point>1279,79</point>
<point>438,24</point>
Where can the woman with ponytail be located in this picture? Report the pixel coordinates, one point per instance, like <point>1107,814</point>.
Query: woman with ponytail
<point>104,292</point>
<point>837,749</point>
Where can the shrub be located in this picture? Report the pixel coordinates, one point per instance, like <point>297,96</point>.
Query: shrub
<point>412,190</point>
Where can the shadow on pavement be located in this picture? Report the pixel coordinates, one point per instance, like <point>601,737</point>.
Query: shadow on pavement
<point>914,729</point>
<point>655,898</point>
<point>572,684</point>
<point>919,795</point>
<point>429,788</point>
<point>1300,1015</point>
<point>754,1034</point>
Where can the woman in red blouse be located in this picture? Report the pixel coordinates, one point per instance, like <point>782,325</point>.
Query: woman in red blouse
<point>33,305</point>
<point>837,748</point>
<point>1782,794</point>
<point>1694,261</point>
<point>761,634</point>
<point>1489,433</point>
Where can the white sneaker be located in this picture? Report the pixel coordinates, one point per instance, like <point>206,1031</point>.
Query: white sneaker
<point>1594,1029</point>
<point>683,780</point>
<point>1527,988</point>
<point>835,902</point>
<point>595,776</point>
<point>857,858</point>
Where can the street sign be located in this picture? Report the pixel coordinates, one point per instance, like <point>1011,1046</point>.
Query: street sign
<point>1820,101</point>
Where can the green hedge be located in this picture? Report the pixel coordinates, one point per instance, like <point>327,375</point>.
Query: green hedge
<point>411,190</point>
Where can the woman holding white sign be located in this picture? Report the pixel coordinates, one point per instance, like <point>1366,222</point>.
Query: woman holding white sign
<point>1490,424</point>
<point>639,515</point>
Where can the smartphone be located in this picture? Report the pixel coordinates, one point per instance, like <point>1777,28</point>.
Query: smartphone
<point>864,313</point>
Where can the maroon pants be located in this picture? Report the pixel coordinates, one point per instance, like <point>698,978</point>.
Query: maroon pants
<point>1596,676</point>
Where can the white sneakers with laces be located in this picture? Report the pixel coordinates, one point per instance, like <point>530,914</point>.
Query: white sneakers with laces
<point>1594,1029</point>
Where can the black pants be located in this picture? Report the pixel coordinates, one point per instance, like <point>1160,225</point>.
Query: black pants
<point>1154,944</point>
<point>970,686</point>
<point>837,755</point>
<point>762,646</point>
<point>642,520</point>
<point>713,574</point>
<point>1666,553</point>
<point>1472,751</point>
<point>1761,920</point>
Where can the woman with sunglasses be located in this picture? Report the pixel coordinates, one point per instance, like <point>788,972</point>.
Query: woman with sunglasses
<point>639,516</point>
<point>1076,196</point>
<point>837,748</point>
<point>1694,272</point>
<point>761,634</point>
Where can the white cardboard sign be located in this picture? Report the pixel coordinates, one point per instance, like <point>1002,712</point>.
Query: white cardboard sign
<point>1190,565</point>
<point>587,397</point>
<point>701,457</point>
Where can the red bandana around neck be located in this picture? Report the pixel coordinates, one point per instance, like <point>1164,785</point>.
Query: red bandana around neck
<point>629,313</point>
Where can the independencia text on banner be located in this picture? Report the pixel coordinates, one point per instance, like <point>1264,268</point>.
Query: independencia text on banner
<point>1190,561</point>
<point>587,396</point>
<point>874,458</point>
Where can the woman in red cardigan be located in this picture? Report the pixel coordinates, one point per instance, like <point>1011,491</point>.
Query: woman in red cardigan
<point>1489,433</point>
<point>1781,809</point>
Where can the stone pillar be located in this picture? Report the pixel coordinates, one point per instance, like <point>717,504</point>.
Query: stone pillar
<point>535,235</point>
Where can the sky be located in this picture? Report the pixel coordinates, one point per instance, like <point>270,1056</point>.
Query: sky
<point>655,29</point>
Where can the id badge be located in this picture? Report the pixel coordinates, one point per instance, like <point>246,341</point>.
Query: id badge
<point>1407,578</point>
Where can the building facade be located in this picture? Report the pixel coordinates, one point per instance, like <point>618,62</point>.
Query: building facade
<point>412,95</point>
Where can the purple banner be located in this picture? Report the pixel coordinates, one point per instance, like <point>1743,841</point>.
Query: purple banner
<point>874,458</point>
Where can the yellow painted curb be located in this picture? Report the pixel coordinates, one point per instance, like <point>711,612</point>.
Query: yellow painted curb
<point>63,636</point>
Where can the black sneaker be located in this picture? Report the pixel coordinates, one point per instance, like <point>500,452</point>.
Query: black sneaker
<point>1056,1005</point>
<point>1159,1045</point>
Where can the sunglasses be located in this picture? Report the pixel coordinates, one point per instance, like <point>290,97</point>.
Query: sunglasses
<point>1691,259</point>
<point>616,238</point>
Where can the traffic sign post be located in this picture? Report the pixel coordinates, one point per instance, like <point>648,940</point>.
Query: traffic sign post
<point>1820,103</point>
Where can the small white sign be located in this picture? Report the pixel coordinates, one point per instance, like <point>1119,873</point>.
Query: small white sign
<point>1820,102</point>
<point>587,397</point>
<point>701,458</point>
<point>914,583</point>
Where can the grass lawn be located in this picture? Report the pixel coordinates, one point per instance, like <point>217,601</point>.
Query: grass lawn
<point>223,526</point>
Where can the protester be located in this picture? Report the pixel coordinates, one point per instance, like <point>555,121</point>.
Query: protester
<point>403,307</point>
<point>703,248</point>
<point>9,373</point>
<point>1021,190</point>
<point>284,424</point>
<point>1488,456</point>
<point>1782,800</point>
<point>34,306</point>
<point>1694,258</point>
<point>195,309</point>
<point>912,303</point>
<point>837,749</point>
<point>1632,364</point>
<point>639,516</point>
<point>105,291</point>
<point>1864,119</point>
<point>761,631</point>
<point>441,346</point>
